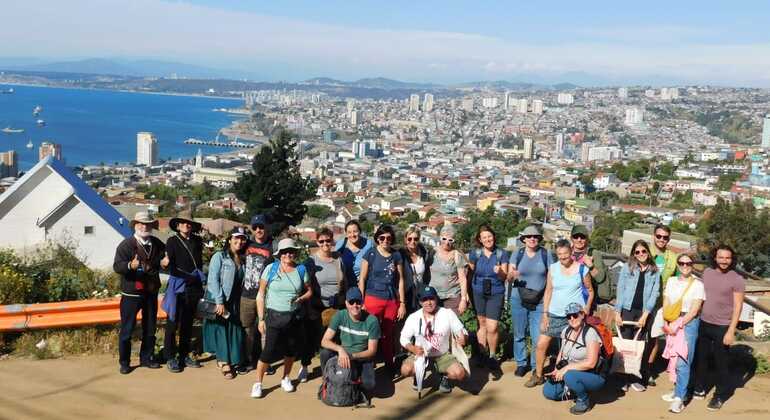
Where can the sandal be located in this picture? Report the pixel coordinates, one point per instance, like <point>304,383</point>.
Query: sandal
<point>227,372</point>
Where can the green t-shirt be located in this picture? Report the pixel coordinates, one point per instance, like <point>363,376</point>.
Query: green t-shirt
<point>660,261</point>
<point>355,335</point>
<point>284,289</point>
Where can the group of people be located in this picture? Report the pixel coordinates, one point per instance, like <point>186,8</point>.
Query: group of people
<point>360,300</point>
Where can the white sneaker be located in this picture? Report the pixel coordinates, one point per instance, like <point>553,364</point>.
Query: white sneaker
<point>624,387</point>
<point>302,376</point>
<point>636,386</point>
<point>676,406</point>
<point>286,384</point>
<point>670,397</point>
<point>256,390</point>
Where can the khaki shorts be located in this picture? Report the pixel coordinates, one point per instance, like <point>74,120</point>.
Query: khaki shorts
<point>442,362</point>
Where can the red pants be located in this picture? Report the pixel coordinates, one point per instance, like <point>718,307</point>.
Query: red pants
<point>386,312</point>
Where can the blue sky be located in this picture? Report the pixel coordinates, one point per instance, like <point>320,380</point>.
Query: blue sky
<point>609,42</point>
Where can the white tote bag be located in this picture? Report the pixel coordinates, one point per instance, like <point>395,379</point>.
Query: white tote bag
<point>628,354</point>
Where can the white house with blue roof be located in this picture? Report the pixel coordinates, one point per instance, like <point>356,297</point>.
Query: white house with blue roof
<point>51,203</point>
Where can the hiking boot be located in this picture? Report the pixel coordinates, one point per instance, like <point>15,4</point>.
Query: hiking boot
<point>521,371</point>
<point>699,394</point>
<point>302,376</point>
<point>191,363</point>
<point>286,384</point>
<point>580,407</point>
<point>676,406</point>
<point>125,369</point>
<point>494,369</point>
<point>715,404</point>
<point>534,381</point>
<point>256,390</point>
<point>173,365</point>
<point>445,386</point>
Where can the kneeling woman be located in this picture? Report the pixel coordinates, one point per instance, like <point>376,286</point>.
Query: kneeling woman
<point>578,361</point>
<point>283,287</point>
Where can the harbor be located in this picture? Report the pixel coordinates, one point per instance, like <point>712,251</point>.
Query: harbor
<point>217,143</point>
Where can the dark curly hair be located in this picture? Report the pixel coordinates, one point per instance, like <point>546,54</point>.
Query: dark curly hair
<point>723,247</point>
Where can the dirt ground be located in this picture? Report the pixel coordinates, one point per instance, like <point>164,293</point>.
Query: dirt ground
<point>92,388</point>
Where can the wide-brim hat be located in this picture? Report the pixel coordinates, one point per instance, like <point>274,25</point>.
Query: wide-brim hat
<point>579,230</point>
<point>174,223</point>
<point>530,231</point>
<point>144,218</point>
<point>284,244</point>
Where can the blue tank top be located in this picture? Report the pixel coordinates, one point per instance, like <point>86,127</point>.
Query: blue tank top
<point>566,290</point>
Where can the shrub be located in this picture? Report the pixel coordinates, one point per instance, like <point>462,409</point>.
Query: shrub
<point>15,286</point>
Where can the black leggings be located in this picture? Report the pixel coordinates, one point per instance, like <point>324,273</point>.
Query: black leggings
<point>286,341</point>
<point>313,330</point>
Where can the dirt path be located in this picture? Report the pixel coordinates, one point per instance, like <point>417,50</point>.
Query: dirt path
<point>91,388</point>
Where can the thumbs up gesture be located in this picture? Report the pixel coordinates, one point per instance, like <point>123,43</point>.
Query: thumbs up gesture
<point>134,264</point>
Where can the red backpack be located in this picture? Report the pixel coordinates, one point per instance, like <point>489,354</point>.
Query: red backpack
<point>607,350</point>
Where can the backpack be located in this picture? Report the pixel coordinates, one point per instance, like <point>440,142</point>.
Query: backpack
<point>607,349</point>
<point>338,388</point>
<point>543,255</point>
<point>274,272</point>
<point>478,252</point>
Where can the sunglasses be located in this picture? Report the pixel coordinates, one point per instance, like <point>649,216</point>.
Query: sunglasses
<point>289,252</point>
<point>324,241</point>
<point>581,237</point>
<point>383,238</point>
<point>663,237</point>
<point>260,227</point>
<point>533,237</point>
<point>425,299</point>
<point>413,239</point>
<point>354,302</point>
<point>573,316</point>
<point>640,252</point>
<point>685,263</point>
<point>448,240</point>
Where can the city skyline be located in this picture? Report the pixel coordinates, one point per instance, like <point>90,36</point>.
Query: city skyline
<point>598,44</point>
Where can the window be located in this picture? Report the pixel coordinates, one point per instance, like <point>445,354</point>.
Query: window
<point>88,230</point>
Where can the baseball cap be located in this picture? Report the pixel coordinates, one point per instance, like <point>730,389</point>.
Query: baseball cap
<point>353,294</point>
<point>427,292</point>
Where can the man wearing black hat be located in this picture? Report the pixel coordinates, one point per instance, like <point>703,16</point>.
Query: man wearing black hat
<point>185,288</point>
<point>429,332</point>
<point>582,253</point>
<point>259,253</point>
<point>138,260</point>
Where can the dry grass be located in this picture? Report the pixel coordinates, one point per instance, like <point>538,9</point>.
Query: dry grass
<point>66,342</point>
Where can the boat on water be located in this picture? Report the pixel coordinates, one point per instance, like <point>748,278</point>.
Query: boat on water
<point>30,145</point>
<point>40,122</point>
<point>9,130</point>
<point>7,91</point>
<point>38,109</point>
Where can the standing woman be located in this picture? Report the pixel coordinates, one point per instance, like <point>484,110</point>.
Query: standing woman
<point>528,270</point>
<point>224,335</point>
<point>327,279</point>
<point>690,290</point>
<point>637,295</point>
<point>417,260</point>
<point>564,286</point>
<point>490,266</point>
<point>382,284</point>
<point>352,249</point>
<point>283,289</point>
<point>447,273</point>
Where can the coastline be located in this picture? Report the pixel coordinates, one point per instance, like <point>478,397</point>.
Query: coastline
<point>189,95</point>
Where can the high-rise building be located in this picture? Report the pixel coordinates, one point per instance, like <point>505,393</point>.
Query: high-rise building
<point>591,153</point>
<point>634,116</point>
<point>427,103</point>
<point>468,104</point>
<point>490,102</point>
<point>650,93</point>
<point>146,149</point>
<point>622,93</point>
<point>49,149</point>
<point>565,99</point>
<point>199,159</point>
<point>414,102</point>
<point>529,148</point>
<point>508,101</point>
<point>537,107</point>
<point>351,104</point>
<point>521,106</point>
<point>559,145</point>
<point>9,164</point>
<point>668,94</point>
<point>766,132</point>
<point>355,117</point>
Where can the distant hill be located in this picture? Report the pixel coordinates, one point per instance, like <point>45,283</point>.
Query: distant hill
<point>384,83</point>
<point>137,68</point>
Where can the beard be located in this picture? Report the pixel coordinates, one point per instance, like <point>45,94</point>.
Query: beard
<point>144,234</point>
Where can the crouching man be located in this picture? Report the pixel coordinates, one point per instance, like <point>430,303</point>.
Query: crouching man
<point>429,332</point>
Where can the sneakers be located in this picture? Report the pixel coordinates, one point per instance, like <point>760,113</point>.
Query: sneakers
<point>580,407</point>
<point>651,381</point>
<point>534,381</point>
<point>625,387</point>
<point>302,376</point>
<point>521,371</point>
<point>636,386</point>
<point>494,369</point>
<point>445,386</point>
<point>270,370</point>
<point>699,394</point>
<point>243,369</point>
<point>150,364</point>
<point>715,404</point>
<point>191,363</point>
<point>286,384</point>
<point>670,397</point>
<point>256,390</point>
<point>676,405</point>
<point>173,365</point>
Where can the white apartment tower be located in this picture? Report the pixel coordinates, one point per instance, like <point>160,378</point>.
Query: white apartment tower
<point>427,103</point>
<point>559,145</point>
<point>414,102</point>
<point>622,93</point>
<point>146,149</point>
<point>507,101</point>
<point>766,132</point>
<point>565,99</point>
<point>634,116</point>
<point>521,106</point>
<point>537,107</point>
<point>529,148</point>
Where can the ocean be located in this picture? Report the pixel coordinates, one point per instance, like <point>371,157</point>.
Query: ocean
<point>95,126</point>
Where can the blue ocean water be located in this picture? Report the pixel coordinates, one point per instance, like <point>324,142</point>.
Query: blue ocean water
<point>96,126</point>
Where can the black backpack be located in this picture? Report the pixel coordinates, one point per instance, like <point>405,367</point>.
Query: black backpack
<point>338,388</point>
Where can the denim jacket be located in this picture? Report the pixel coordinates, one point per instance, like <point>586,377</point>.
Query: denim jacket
<point>627,287</point>
<point>223,273</point>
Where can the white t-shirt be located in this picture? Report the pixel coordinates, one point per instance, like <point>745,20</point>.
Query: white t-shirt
<point>675,286</point>
<point>443,325</point>
<point>418,270</point>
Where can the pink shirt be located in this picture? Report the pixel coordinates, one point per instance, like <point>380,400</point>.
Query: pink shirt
<point>719,286</point>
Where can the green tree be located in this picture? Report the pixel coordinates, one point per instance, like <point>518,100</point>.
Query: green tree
<point>318,212</point>
<point>275,186</point>
<point>455,185</point>
<point>726,181</point>
<point>412,217</point>
<point>505,225</point>
<point>608,230</point>
<point>605,198</point>
<point>538,213</point>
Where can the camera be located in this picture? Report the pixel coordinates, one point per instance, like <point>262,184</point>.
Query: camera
<point>519,283</point>
<point>562,363</point>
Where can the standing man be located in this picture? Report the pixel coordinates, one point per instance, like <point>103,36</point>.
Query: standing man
<point>138,260</point>
<point>259,253</point>
<point>665,260</point>
<point>595,267</point>
<point>718,320</point>
<point>185,288</point>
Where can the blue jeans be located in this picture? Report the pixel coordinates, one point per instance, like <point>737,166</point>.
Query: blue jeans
<point>580,382</point>
<point>521,320</point>
<point>684,367</point>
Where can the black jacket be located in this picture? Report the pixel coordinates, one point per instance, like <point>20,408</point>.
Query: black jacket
<point>183,263</point>
<point>146,279</point>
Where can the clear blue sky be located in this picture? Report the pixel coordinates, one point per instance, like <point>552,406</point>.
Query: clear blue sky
<point>720,42</point>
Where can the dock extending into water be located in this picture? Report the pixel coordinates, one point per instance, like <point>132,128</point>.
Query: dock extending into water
<point>216,143</point>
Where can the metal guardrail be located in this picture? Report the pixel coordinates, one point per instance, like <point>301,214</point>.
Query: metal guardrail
<point>14,318</point>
